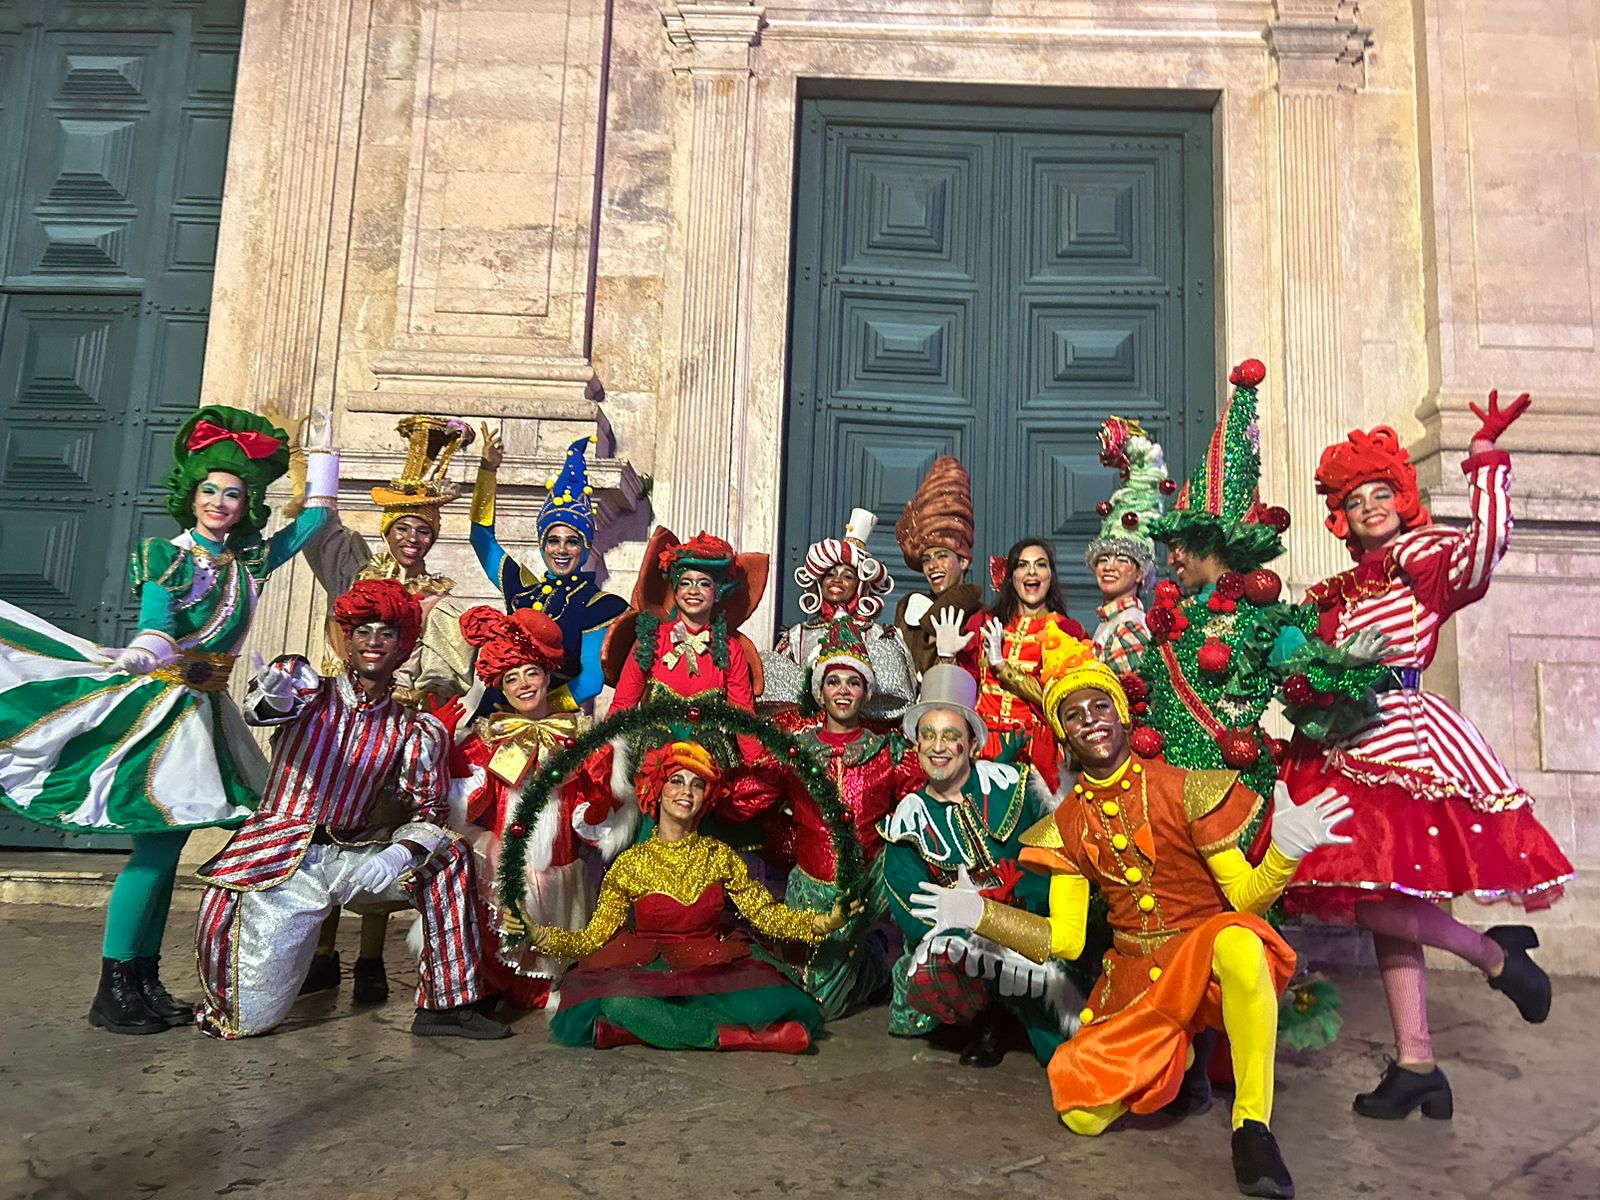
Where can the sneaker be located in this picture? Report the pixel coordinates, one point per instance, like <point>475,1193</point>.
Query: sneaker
<point>324,974</point>
<point>1257,1165</point>
<point>462,1021</point>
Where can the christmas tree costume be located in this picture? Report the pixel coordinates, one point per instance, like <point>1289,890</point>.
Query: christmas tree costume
<point>439,669</point>
<point>494,756</point>
<point>1437,814</point>
<point>938,517</point>
<point>1189,949</point>
<point>872,772</point>
<point>337,748</point>
<point>678,979</point>
<point>573,600</point>
<point>1121,638</point>
<point>145,741</point>
<point>1219,657</point>
<point>786,667</point>
<point>978,835</point>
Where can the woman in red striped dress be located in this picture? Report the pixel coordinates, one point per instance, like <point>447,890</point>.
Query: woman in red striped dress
<point>1436,813</point>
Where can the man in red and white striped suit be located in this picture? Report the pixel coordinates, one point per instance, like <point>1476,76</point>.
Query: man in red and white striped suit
<point>340,743</point>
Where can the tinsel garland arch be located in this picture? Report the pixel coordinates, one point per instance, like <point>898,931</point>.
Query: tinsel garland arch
<point>787,749</point>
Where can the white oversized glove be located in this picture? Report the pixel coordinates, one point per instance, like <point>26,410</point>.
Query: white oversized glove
<point>959,906</point>
<point>317,432</point>
<point>273,683</point>
<point>1298,829</point>
<point>994,641</point>
<point>376,874</point>
<point>1367,646</point>
<point>948,638</point>
<point>150,651</point>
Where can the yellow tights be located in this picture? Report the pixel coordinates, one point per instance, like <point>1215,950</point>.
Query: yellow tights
<point>1250,1017</point>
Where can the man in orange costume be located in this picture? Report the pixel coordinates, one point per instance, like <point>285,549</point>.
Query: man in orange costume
<point>1190,949</point>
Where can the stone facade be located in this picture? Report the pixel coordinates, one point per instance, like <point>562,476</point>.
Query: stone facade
<point>565,215</point>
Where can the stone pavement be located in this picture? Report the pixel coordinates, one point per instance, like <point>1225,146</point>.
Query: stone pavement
<point>345,1103</point>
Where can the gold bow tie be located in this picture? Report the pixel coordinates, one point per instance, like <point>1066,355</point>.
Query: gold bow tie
<point>688,646</point>
<point>520,742</point>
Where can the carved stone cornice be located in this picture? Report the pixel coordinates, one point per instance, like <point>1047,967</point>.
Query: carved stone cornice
<point>715,35</point>
<point>1320,45</point>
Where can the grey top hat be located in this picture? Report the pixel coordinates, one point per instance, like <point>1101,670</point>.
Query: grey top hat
<point>948,686</point>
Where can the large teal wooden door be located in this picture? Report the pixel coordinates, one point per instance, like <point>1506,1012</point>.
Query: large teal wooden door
<point>114,122</point>
<point>990,283</point>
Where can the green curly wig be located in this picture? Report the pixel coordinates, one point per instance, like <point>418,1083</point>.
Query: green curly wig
<point>192,466</point>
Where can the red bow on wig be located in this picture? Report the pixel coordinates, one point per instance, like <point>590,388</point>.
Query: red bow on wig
<point>254,445</point>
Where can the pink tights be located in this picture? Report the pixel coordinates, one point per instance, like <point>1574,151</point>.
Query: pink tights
<point>1401,926</point>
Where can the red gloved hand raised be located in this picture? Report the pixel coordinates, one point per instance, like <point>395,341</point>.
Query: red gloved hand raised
<point>1497,420</point>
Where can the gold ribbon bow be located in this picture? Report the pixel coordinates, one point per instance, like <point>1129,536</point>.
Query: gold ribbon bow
<point>520,741</point>
<point>690,646</point>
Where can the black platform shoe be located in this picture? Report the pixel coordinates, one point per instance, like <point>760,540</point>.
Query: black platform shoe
<point>464,1021</point>
<point>1400,1091</point>
<point>371,984</point>
<point>324,974</point>
<point>119,1006</point>
<point>1522,979</point>
<point>174,1012</point>
<point>1257,1166</point>
<point>986,1048</point>
<point>1194,1093</point>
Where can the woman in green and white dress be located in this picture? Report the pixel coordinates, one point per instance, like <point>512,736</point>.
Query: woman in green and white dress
<point>143,740</point>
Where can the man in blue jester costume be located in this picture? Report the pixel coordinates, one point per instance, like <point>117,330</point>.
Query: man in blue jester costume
<point>564,591</point>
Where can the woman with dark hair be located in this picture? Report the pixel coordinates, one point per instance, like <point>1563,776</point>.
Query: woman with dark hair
<point>1002,647</point>
<point>143,740</point>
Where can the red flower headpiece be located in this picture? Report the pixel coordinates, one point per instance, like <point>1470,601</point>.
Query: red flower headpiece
<point>660,764</point>
<point>383,600</point>
<point>520,639</point>
<point>703,552</point>
<point>1366,457</point>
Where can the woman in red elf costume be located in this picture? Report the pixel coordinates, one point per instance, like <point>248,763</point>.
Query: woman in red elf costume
<point>522,655</point>
<point>1436,815</point>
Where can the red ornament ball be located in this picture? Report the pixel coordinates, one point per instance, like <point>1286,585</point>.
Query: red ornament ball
<point>1160,622</point>
<point>1168,486</point>
<point>1276,748</point>
<point>1133,686</point>
<point>1262,587</point>
<point>1278,517</point>
<point>1240,749</point>
<point>1146,742</point>
<point>1168,593</point>
<point>1297,690</point>
<point>694,714</point>
<point>1230,585</point>
<point>1248,374</point>
<point>1179,623</point>
<point>1103,508</point>
<point>1130,520</point>
<point>517,829</point>
<point>1214,655</point>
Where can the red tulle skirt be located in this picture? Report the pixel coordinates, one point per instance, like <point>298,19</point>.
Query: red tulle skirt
<point>1403,844</point>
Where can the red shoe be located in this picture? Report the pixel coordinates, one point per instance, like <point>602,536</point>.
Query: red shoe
<point>608,1036</point>
<point>786,1037</point>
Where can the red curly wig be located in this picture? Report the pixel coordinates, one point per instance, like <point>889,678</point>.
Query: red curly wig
<point>661,763</point>
<point>520,639</point>
<point>385,601</point>
<point>1367,457</point>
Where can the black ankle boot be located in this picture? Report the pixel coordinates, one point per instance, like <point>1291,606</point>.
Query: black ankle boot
<point>985,1048</point>
<point>1257,1165</point>
<point>118,1006</point>
<point>174,1012</point>
<point>1400,1091</point>
<point>1194,1093</point>
<point>1522,979</point>
<point>323,975</point>
<point>371,984</point>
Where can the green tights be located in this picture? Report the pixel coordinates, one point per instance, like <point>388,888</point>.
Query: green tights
<point>136,916</point>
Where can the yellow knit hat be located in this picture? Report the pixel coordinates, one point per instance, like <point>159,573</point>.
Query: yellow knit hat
<point>1069,664</point>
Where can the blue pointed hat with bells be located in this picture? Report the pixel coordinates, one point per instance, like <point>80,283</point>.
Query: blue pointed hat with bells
<point>570,501</point>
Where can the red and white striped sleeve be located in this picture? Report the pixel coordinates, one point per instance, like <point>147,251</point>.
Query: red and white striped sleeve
<point>425,781</point>
<point>1451,569</point>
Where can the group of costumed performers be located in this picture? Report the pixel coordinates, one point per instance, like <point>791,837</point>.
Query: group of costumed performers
<point>959,782</point>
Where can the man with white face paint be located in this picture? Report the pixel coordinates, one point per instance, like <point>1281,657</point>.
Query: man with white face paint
<point>966,823</point>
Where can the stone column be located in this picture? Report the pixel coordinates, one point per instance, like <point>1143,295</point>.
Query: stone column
<point>1319,47</point>
<point>716,41</point>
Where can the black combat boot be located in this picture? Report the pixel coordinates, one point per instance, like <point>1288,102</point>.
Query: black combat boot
<point>147,971</point>
<point>119,1006</point>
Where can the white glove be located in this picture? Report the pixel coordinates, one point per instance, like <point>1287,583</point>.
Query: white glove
<point>1298,829</point>
<point>948,639</point>
<point>1367,646</point>
<point>317,433</point>
<point>376,874</point>
<point>274,683</point>
<point>994,641</point>
<point>147,652</point>
<point>957,907</point>
<point>469,705</point>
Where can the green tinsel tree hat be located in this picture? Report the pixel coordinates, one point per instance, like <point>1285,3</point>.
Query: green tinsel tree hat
<point>218,438</point>
<point>1219,511</point>
<point>842,646</point>
<point>1136,502</point>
